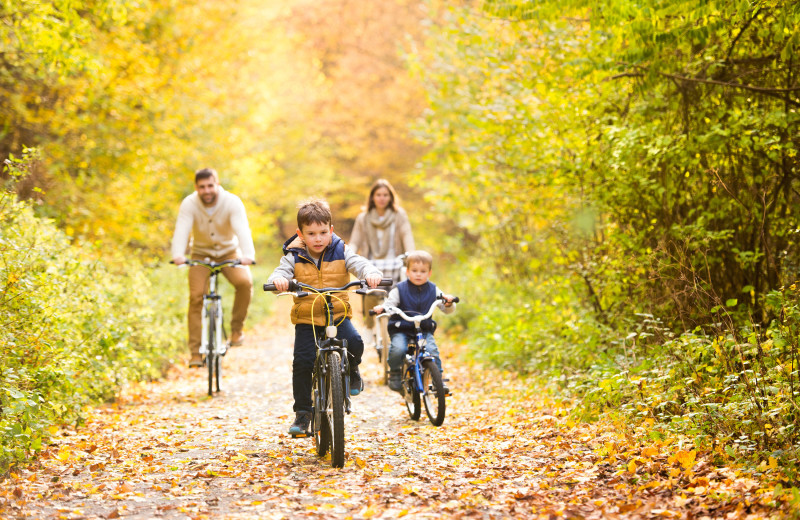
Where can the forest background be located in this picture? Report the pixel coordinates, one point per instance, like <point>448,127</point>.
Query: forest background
<point>612,187</point>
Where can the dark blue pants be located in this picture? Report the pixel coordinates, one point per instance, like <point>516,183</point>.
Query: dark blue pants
<point>305,353</point>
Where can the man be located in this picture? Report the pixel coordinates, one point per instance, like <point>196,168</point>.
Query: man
<point>217,223</point>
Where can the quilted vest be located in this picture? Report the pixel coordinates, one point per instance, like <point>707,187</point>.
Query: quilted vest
<point>331,271</point>
<point>414,300</point>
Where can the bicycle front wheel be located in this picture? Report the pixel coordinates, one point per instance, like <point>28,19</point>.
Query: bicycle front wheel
<point>211,356</point>
<point>335,412</point>
<point>433,392</point>
<point>384,335</point>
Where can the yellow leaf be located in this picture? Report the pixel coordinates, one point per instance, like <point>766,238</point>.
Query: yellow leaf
<point>632,467</point>
<point>686,458</point>
<point>649,452</point>
<point>387,467</point>
<point>773,463</point>
<point>360,462</point>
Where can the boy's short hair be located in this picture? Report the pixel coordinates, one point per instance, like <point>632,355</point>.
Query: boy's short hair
<point>313,211</point>
<point>422,257</point>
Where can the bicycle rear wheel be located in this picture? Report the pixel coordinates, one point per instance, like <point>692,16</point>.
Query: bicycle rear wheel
<point>411,395</point>
<point>433,392</point>
<point>335,414</point>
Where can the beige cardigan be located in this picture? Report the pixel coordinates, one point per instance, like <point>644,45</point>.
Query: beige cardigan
<point>403,239</point>
<point>221,233</point>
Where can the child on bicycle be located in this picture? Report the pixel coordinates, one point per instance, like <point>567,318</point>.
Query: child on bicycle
<point>414,296</point>
<point>317,257</point>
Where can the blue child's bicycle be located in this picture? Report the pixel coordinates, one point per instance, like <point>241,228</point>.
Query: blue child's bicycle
<point>422,379</point>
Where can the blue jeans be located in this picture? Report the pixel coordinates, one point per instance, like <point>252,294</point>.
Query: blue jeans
<point>399,346</point>
<point>305,353</point>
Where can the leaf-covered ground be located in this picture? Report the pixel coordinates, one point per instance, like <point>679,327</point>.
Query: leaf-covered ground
<point>504,451</point>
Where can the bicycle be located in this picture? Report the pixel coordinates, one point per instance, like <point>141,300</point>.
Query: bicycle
<point>330,375</point>
<point>214,337</point>
<point>380,329</point>
<point>422,379</point>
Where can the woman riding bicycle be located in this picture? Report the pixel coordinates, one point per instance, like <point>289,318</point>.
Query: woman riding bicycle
<point>381,234</point>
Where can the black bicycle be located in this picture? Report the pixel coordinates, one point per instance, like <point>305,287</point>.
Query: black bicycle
<point>330,376</point>
<point>422,379</point>
<point>214,337</point>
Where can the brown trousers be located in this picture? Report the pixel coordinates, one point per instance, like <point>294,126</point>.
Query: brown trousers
<point>239,277</point>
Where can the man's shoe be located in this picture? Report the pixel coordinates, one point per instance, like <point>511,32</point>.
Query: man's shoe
<point>237,339</point>
<point>356,383</point>
<point>299,427</point>
<point>196,361</point>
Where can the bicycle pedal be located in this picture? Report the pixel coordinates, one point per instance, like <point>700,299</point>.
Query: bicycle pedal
<point>300,435</point>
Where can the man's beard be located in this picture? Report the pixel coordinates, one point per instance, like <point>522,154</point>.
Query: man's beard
<point>209,200</point>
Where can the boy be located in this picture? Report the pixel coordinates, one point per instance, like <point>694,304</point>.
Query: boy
<point>317,257</point>
<point>413,296</point>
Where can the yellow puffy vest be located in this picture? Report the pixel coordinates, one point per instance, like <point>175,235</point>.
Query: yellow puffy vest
<point>331,272</point>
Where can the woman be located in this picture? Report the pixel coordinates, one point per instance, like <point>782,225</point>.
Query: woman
<point>381,234</point>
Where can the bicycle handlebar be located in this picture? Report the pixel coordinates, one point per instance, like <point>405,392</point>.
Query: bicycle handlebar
<point>213,265</point>
<point>297,287</point>
<point>389,310</point>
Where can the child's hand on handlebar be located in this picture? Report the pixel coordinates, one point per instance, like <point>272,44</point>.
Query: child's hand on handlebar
<point>378,309</point>
<point>448,300</point>
<point>373,280</point>
<point>281,284</point>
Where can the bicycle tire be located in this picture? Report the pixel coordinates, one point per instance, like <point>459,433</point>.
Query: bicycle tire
<point>319,424</point>
<point>219,344</point>
<point>411,395</point>
<point>212,350</point>
<point>387,345</point>
<point>433,392</point>
<point>336,414</point>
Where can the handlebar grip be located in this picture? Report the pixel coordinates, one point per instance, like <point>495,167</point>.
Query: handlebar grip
<point>386,282</point>
<point>455,300</point>
<point>269,287</point>
<point>372,312</point>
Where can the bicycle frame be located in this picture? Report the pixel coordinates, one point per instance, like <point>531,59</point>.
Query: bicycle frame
<point>213,339</point>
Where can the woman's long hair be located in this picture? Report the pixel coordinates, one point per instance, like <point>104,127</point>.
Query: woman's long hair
<point>394,203</point>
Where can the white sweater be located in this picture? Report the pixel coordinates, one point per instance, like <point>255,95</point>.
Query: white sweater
<point>219,234</point>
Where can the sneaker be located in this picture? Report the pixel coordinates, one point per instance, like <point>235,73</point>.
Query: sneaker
<point>196,361</point>
<point>356,383</point>
<point>301,423</point>
<point>237,339</point>
<point>396,383</point>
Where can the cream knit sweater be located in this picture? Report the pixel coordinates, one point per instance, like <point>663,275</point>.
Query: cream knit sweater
<point>222,232</point>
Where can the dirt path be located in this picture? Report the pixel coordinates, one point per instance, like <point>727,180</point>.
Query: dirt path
<point>503,452</point>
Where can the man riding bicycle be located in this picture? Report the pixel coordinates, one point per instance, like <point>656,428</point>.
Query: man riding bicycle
<point>212,224</point>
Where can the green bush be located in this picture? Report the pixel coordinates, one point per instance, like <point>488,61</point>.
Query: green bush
<point>76,324</point>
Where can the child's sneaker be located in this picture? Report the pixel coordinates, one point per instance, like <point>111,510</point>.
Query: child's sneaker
<point>301,423</point>
<point>356,383</point>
